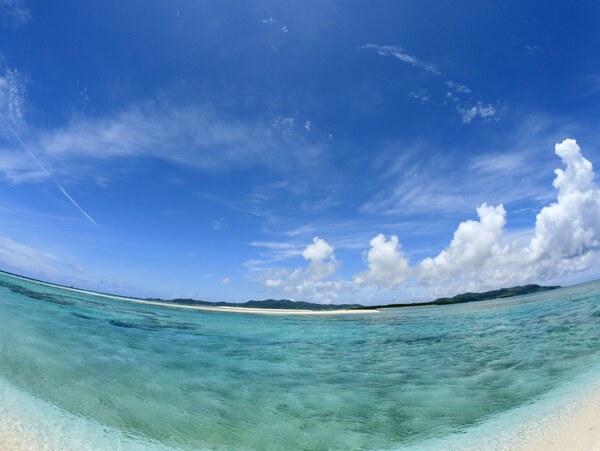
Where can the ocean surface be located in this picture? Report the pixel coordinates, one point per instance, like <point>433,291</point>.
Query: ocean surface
<point>95,372</point>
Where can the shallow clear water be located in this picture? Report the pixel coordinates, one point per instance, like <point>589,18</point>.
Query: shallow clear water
<point>195,380</point>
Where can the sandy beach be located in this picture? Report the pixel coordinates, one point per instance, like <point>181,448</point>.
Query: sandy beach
<point>11,441</point>
<point>207,308</point>
<point>573,427</point>
<point>261,311</point>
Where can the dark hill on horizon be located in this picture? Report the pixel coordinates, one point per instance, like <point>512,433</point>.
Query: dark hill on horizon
<point>475,297</point>
<point>301,305</point>
<point>267,304</point>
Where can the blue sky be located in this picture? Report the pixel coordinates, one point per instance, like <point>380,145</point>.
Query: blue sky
<point>250,149</point>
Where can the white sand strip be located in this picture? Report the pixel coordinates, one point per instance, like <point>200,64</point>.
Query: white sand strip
<point>261,311</point>
<point>573,427</point>
<point>227,309</point>
<point>28,423</point>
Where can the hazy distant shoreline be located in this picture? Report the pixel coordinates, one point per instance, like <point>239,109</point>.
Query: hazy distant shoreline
<point>223,309</point>
<point>288,307</point>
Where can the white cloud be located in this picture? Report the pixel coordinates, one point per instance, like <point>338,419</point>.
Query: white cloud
<point>11,95</point>
<point>188,136</point>
<point>272,283</point>
<point>422,95</point>
<point>386,262</point>
<point>16,168</point>
<point>219,223</point>
<point>225,281</point>
<point>468,107</point>
<point>11,98</point>
<point>14,13</point>
<point>533,49</point>
<point>458,88</point>
<point>399,53</point>
<point>322,262</point>
<point>22,258</point>
<point>505,162</point>
<point>269,20</point>
<point>192,136</point>
<point>473,245</point>
<point>566,237</point>
<point>309,283</point>
<point>468,113</point>
<point>272,252</point>
<point>420,179</point>
<point>564,241</point>
<point>283,122</point>
<point>272,244</point>
<point>569,229</point>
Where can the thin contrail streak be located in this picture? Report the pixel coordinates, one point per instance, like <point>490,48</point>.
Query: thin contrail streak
<point>75,203</point>
<point>39,163</point>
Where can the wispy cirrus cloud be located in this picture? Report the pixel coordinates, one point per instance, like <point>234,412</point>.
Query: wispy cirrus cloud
<point>191,135</point>
<point>402,55</point>
<point>14,13</point>
<point>462,99</point>
<point>271,252</point>
<point>11,98</point>
<point>187,135</point>
<point>422,178</point>
<point>19,257</point>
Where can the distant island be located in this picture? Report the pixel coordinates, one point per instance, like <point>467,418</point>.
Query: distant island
<point>300,305</point>
<point>286,304</point>
<point>474,297</point>
<point>283,304</point>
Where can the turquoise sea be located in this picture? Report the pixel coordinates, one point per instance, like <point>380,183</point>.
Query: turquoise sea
<point>102,373</point>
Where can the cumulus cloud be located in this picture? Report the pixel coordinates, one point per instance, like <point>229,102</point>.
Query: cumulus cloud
<point>386,262</point>
<point>565,240</point>
<point>567,232</point>
<point>311,282</point>
<point>473,245</point>
<point>322,263</point>
<point>566,236</point>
